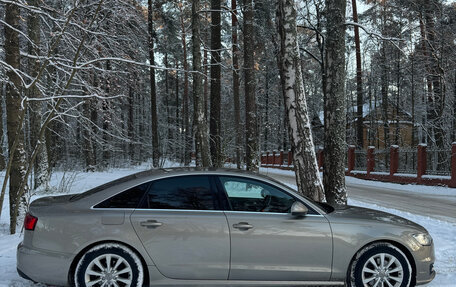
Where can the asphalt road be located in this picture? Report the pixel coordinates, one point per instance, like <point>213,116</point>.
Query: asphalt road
<point>434,206</point>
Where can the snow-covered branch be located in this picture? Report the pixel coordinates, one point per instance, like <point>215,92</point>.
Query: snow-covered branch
<point>372,33</point>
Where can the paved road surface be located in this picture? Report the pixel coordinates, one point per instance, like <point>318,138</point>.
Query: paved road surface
<point>434,206</point>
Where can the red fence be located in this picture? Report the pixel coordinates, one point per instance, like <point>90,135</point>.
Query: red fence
<point>366,168</point>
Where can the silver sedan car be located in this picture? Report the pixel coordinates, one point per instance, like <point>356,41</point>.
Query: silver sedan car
<point>188,226</point>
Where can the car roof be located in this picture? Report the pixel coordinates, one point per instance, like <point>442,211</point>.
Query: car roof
<point>152,173</point>
<point>156,173</point>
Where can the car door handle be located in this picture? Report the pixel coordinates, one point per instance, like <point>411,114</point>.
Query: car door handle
<point>151,223</point>
<point>242,226</point>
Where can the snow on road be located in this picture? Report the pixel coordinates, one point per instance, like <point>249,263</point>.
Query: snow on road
<point>419,189</point>
<point>443,232</point>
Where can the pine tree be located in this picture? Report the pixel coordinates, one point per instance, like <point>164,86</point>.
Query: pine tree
<point>236,83</point>
<point>153,92</point>
<point>199,119</point>
<point>2,156</point>
<point>251,130</point>
<point>41,166</point>
<point>359,82</point>
<point>335,113</point>
<point>15,112</point>
<point>215,116</point>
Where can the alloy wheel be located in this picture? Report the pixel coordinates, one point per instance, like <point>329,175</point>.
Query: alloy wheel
<point>108,270</point>
<point>382,270</point>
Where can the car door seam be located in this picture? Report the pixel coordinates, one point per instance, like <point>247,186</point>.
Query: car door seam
<point>332,249</point>
<point>229,232</point>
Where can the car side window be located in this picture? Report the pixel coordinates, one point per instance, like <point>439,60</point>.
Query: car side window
<point>251,195</point>
<point>183,192</point>
<point>126,199</point>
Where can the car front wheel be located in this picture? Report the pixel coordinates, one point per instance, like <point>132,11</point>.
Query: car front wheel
<point>109,265</point>
<point>380,265</point>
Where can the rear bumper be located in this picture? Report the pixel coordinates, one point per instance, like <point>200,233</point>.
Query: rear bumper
<point>23,275</point>
<point>43,266</point>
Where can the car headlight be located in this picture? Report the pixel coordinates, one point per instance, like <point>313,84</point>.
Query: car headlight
<point>423,239</point>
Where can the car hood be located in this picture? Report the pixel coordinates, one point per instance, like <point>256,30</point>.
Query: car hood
<point>354,213</point>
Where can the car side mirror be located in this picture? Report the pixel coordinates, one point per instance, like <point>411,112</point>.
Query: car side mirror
<point>298,209</point>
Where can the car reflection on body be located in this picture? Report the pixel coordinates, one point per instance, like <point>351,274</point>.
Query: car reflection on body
<point>190,226</point>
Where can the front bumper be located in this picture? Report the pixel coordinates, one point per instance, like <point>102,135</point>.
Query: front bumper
<point>425,281</point>
<point>424,260</point>
<point>43,266</point>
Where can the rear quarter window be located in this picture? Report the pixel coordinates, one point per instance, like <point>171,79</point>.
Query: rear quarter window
<point>126,199</point>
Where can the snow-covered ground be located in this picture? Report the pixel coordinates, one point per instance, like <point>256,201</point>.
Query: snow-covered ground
<point>443,232</point>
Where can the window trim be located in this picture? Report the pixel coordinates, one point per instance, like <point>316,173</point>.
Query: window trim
<point>223,191</point>
<point>217,187</point>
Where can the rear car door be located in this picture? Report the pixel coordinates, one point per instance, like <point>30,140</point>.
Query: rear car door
<point>183,229</point>
<point>267,243</point>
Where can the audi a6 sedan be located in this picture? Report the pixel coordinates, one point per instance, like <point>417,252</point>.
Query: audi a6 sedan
<point>209,227</point>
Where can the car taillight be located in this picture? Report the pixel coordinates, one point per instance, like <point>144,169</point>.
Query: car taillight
<point>30,222</point>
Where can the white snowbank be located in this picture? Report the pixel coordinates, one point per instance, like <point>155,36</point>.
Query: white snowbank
<point>416,188</point>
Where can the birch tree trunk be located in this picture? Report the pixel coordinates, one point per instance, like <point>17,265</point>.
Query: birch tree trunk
<point>14,110</point>
<point>251,133</point>
<point>199,118</point>
<point>236,83</point>
<point>306,168</point>
<point>215,121</point>
<point>153,93</point>
<point>335,112</point>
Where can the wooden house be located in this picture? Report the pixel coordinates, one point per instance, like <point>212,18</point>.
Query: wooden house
<point>397,130</point>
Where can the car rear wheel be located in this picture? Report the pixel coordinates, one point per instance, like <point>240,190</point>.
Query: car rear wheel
<point>380,265</point>
<point>109,265</point>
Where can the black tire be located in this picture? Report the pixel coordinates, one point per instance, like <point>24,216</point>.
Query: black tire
<point>124,266</point>
<point>391,254</point>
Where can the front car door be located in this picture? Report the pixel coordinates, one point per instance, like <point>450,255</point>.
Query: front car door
<point>183,229</point>
<point>267,243</point>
